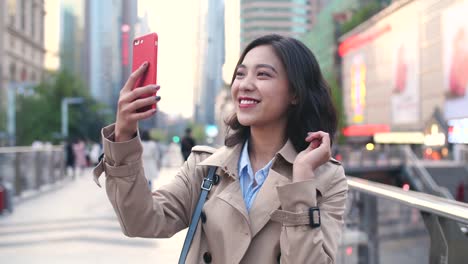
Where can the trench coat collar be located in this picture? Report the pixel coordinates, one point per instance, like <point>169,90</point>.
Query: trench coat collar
<point>267,200</point>
<point>288,152</point>
<point>227,158</point>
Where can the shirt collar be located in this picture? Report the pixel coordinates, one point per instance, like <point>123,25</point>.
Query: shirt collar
<point>244,161</point>
<point>227,158</point>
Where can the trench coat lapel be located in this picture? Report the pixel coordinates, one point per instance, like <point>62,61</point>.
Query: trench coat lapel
<point>227,159</point>
<point>232,195</point>
<point>266,201</point>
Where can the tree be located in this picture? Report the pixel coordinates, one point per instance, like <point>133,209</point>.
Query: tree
<point>39,115</point>
<point>362,15</point>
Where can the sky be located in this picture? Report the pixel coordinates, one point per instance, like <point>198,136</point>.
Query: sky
<point>177,28</point>
<point>51,32</point>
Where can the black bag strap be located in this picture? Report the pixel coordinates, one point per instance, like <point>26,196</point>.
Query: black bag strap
<point>205,188</point>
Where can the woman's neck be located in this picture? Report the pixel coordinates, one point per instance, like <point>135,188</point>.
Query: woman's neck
<point>264,143</point>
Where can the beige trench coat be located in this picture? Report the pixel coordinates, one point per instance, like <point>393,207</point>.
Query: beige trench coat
<point>276,227</point>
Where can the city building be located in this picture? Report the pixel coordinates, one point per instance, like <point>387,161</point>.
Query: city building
<point>405,70</point>
<point>323,37</point>
<point>284,17</point>
<point>128,32</point>
<point>72,37</point>
<point>109,31</point>
<point>315,9</point>
<point>21,43</point>
<point>211,55</point>
<point>21,54</point>
<point>224,108</point>
<point>103,50</point>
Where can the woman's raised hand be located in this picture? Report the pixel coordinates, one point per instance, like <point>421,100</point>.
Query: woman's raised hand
<point>318,152</point>
<point>126,124</point>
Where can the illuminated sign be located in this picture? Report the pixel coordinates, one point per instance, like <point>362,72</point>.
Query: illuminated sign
<point>458,131</point>
<point>357,41</point>
<point>364,130</point>
<point>400,138</point>
<point>125,43</point>
<point>358,89</point>
<point>435,138</point>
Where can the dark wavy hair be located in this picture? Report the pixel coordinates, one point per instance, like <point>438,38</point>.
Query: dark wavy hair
<point>314,110</point>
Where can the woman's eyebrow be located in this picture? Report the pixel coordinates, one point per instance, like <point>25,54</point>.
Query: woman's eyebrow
<point>242,66</point>
<point>266,66</point>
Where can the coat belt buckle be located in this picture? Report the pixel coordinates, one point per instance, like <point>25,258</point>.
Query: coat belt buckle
<point>207,184</point>
<point>314,217</point>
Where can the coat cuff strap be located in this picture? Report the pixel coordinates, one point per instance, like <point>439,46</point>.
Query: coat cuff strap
<point>311,217</point>
<point>113,171</point>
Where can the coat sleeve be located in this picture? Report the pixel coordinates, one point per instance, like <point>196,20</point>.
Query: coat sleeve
<point>140,212</point>
<point>299,242</point>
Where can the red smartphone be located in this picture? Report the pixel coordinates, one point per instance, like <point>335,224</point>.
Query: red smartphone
<point>145,48</point>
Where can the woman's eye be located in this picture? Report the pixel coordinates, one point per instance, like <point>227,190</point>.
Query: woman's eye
<point>239,74</point>
<point>264,74</point>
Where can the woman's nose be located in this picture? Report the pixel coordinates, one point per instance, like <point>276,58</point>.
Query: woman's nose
<point>246,84</point>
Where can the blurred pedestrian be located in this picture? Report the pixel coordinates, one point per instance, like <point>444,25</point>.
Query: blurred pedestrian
<point>150,156</point>
<point>70,158</point>
<point>187,143</point>
<point>37,144</point>
<point>160,153</point>
<point>95,153</point>
<point>79,149</point>
<point>277,195</point>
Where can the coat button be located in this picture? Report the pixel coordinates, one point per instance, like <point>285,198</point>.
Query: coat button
<point>203,217</point>
<point>216,179</point>
<point>207,257</point>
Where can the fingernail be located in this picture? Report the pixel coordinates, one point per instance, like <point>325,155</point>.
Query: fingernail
<point>145,64</point>
<point>158,98</point>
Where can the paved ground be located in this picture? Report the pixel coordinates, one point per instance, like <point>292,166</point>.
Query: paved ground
<point>75,223</point>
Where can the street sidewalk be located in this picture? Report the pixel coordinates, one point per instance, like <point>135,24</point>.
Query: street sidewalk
<point>76,224</point>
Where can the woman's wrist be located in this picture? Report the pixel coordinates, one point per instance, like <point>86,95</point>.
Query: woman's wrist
<point>121,137</point>
<point>302,174</point>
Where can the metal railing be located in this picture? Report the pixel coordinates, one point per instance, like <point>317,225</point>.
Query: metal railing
<point>442,219</point>
<point>28,168</point>
<point>421,175</point>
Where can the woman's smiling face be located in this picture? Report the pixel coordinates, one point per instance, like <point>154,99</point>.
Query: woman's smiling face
<point>260,90</point>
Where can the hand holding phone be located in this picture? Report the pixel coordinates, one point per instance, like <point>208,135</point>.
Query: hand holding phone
<point>145,49</point>
<point>137,99</point>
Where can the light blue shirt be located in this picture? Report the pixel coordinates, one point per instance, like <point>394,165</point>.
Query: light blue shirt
<point>246,177</point>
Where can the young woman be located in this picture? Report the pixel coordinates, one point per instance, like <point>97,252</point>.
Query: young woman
<point>280,197</point>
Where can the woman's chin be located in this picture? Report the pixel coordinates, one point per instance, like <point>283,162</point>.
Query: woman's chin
<point>245,121</point>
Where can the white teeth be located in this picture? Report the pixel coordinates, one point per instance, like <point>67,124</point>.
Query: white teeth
<point>243,101</point>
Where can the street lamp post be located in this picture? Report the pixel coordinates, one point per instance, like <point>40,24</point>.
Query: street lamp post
<point>65,102</point>
<point>14,88</point>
